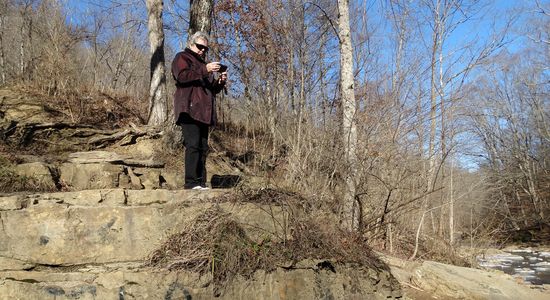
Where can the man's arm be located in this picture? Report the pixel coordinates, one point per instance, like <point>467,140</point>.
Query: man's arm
<point>184,72</point>
<point>219,84</point>
<point>217,87</point>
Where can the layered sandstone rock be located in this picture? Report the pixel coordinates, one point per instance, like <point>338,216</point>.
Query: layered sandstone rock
<point>93,244</point>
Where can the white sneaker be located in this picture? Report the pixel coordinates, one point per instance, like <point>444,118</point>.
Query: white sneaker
<point>200,188</point>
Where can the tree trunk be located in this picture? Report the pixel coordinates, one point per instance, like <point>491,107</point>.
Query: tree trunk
<point>442,87</point>
<point>350,213</point>
<point>28,70</point>
<point>303,63</point>
<point>451,209</point>
<point>158,108</point>
<point>291,46</point>
<point>433,106</point>
<point>200,16</point>
<point>322,73</point>
<point>430,178</point>
<point>22,47</point>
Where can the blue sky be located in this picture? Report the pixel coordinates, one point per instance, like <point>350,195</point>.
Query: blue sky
<point>480,27</point>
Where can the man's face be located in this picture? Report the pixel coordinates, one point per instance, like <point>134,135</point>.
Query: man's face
<point>200,47</point>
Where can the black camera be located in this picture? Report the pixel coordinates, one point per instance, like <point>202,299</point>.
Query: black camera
<point>223,68</point>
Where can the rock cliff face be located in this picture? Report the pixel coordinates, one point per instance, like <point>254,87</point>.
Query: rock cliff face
<point>102,170</point>
<point>116,282</point>
<point>92,244</point>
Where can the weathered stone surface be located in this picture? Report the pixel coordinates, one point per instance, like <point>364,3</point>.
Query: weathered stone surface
<point>432,280</point>
<point>465,283</point>
<point>173,180</point>
<point>316,283</point>
<point>147,197</point>
<point>108,197</point>
<point>135,182</point>
<point>308,283</point>
<point>143,163</point>
<point>91,157</point>
<point>14,264</point>
<point>37,170</point>
<point>150,178</point>
<point>33,169</point>
<point>94,235</point>
<point>162,196</point>
<point>90,176</point>
<point>51,231</point>
<point>81,198</point>
<point>103,169</point>
<point>123,181</point>
<point>142,149</point>
<point>41,276</point>
<point>12,202</point>
<point>74,235</point>
<point>113,197</point>
<point>14,289</point>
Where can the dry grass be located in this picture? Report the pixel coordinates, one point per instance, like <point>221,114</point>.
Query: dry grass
<point>440,251</point>
<point>271,196</point>
<point>216,244</point>
<point>101,109</point>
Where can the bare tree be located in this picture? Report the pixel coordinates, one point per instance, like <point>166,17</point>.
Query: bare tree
<point>350,213</point>
<point>26,10</point>
<point>200,16</point>
<point>158,108</point>
<point>514,130</point>
<point>3,14</point>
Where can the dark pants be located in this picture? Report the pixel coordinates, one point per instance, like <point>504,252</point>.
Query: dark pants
<point>195,139</point>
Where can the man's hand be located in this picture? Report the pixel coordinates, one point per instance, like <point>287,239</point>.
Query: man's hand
<point>223,78</point>
<point>213,66</point>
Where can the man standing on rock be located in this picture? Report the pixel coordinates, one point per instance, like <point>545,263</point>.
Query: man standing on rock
<point>194,105</point>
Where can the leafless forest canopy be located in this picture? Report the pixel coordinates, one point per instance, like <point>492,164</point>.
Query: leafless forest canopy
<point>452,98</point>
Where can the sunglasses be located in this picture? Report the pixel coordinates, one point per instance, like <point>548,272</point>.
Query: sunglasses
<point>202,47</point>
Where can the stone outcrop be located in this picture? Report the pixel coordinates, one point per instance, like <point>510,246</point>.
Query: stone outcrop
<point>105,226</point>
<point>12,203</point>
<point>136,282</point>
<point>38,171</point>
<point>90,176</point>
<point>102,170</point>
<point>149,178</point>
<point>466,283</point>
<point>92,244</point>
<point>105,170</point>
<point>433,280</point>
<point>90,157</point>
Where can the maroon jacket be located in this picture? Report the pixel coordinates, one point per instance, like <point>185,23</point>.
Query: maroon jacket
<point>195,88</point>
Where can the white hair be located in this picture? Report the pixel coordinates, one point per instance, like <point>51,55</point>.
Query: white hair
<point>199,35</point>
